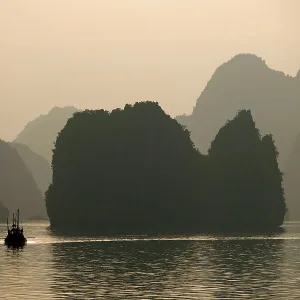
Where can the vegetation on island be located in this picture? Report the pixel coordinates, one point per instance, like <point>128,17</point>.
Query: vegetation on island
<point>136,170</point>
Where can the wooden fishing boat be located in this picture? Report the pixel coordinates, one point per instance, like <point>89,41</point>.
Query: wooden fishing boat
<point>15,236</point>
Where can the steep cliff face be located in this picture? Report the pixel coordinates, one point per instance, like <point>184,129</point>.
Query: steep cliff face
<point>246,82</point>
<point>40,134</point>
<point>18,188</point>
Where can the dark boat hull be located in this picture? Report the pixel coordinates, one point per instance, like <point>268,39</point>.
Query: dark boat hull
<point>15,241</point>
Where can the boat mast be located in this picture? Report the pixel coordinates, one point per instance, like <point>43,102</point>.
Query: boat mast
<point>18,218</point>
<point>7,225</point>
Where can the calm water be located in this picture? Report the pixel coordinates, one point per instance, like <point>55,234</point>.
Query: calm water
<point>201,267</point>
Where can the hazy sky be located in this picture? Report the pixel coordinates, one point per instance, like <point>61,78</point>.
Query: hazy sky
<point>103,54</point>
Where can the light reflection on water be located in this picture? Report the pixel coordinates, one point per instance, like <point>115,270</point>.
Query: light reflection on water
<point>181,267</point>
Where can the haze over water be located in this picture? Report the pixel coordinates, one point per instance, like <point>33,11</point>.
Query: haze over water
<point>181,267</point>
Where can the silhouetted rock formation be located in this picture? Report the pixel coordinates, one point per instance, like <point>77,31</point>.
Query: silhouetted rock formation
<point>18,188</point>
<point>246,82</point>
<point>40,134</point>
<point>124,171</point>
<point>248,189</point>
<point>137,171</point>
<point>4,213</point>
<point>36,164</point>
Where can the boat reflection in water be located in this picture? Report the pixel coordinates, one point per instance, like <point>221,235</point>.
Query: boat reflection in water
<point>15,236</point>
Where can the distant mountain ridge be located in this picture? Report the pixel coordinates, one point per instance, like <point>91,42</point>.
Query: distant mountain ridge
<point>246,82</point>
<point>18,188</point>
<point>36,164</point>
<point>40,134</point>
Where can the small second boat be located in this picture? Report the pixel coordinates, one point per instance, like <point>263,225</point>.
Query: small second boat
<point>15,236</point>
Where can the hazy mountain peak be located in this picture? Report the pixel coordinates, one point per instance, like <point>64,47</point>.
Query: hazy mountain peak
<point>245,59</point>
<point>246,82</point>
<point>64,110</point>
<point>40,134</point>
<point>245,65</point>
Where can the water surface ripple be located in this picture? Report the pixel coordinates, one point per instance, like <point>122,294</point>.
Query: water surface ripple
<point>181,267</point>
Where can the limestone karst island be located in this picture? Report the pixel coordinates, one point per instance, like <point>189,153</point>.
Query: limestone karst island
<point>136,171</point>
